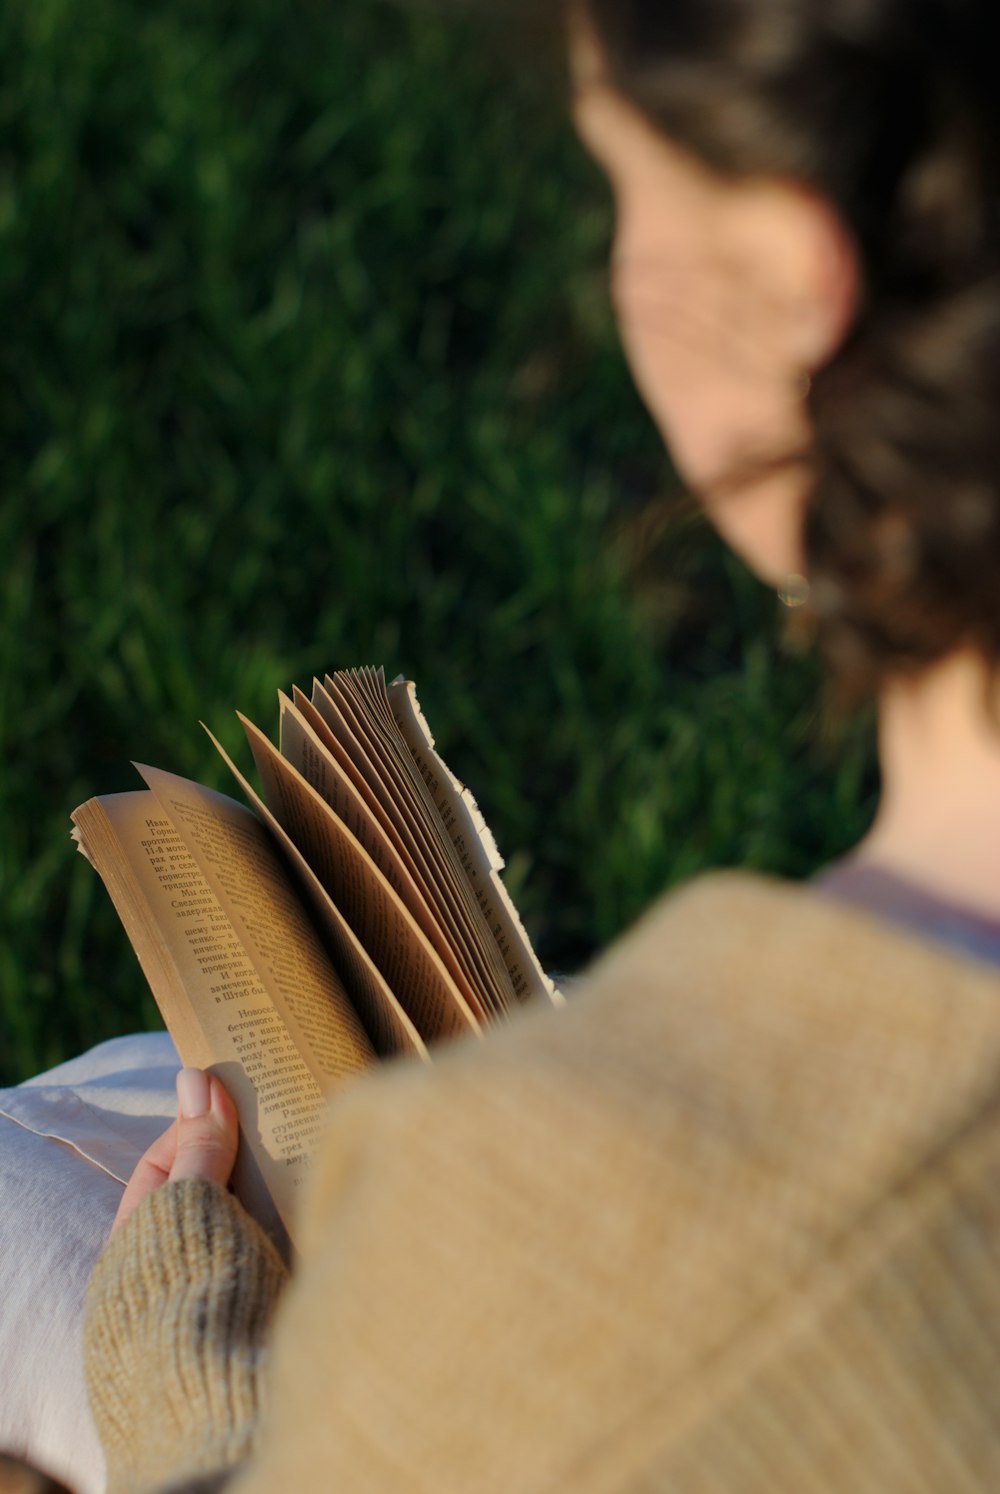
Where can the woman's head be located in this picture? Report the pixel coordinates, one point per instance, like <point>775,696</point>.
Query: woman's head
<point>807,195</point>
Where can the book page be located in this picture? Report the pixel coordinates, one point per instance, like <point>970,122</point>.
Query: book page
<point>368,686</point>
<point>213,999</point>
<point>390,1029</point>
<point>382,922</point>
<point>402,865</point>
<point>237,859</point>
<point>476,847</point>
<point>400,790</point>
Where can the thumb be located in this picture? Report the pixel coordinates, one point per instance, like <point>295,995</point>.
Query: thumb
<point>207,1128</point>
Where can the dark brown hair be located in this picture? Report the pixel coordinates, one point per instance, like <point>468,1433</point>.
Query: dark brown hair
<point>891,110</point>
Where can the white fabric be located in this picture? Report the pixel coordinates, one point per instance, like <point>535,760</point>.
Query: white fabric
<point>69,1140</point>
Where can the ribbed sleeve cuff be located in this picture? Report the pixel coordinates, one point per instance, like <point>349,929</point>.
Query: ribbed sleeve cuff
<point>174,1336</point>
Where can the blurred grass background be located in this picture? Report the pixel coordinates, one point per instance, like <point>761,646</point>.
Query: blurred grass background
<point>307,362</point>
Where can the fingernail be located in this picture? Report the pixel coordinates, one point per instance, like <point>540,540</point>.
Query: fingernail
<point>193,1093</point>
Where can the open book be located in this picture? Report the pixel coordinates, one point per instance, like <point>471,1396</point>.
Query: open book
<point>355,912</point>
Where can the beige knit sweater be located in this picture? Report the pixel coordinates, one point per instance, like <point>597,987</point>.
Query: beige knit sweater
<point>731,1222</point>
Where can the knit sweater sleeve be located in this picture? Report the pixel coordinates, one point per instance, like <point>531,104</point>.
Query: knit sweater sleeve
<point>176,1321</point>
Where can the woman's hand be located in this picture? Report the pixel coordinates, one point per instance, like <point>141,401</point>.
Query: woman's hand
<point>200,1143</point>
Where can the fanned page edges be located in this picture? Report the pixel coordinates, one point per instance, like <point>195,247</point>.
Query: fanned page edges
<point>384,925</point>
<point>396,861</point>
<point>391,844</point>
<point>391,1031</point>
<point>463,821</point>
<point>366,729</point>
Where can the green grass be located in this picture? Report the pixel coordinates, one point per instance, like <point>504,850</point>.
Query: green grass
<point>307,362</point>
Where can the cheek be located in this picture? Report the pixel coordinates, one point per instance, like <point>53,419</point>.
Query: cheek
<point>687,350</point>
<point>714,418</point>
<point>703,411</point>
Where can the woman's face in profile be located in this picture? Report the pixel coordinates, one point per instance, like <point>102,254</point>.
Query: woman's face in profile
<point>696,283</point>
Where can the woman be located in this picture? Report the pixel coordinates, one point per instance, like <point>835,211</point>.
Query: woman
<point>730,1221</point>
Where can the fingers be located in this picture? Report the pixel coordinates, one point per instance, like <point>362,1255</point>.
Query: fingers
<point>200,1143</point>
<point>207,1129</point>
<point>152,1169</point>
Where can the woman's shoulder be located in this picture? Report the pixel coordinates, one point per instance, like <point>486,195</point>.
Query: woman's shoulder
<point>745,1024</point>
<point>761,963</point>
<point>749,940</point>
<point>734,977</point>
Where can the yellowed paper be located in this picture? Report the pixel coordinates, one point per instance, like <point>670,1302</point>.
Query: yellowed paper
<point>391,1030</point>
<point>382,922</point>
<point>475,845</point>
<point>237,858</point>
<point>370,683</point>
<point>403,864</point>
<point>395,778</point>
<point>214,1000</point>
